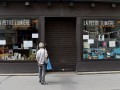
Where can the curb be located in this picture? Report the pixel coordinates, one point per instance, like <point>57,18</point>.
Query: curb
<point>20,74</point>
<point>99,72</point>
<point>36,74</point>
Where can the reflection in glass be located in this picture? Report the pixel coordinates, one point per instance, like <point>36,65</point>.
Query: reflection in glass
<point>14,32</point>
<point>101,39</point>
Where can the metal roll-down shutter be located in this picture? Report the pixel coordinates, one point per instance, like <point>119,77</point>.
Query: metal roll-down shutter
<point>61,43</point>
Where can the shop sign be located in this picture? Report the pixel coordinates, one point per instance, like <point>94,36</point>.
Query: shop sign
<point>14,22</point>
<point>99,23</point>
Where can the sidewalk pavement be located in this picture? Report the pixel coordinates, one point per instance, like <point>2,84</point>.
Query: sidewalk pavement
<point>61,81</point>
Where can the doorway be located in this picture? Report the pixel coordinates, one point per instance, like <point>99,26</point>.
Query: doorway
<point>60,37</point>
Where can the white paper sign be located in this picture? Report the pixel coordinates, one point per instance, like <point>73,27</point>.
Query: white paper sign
<point>30,43</point>
<point>85,36</point>
<point>112,44</point>
<point>101,38</point>
<point>34,35</point>
<point>86,45</point>
<point>2,42</point>
<point>91,41</point>
<point>27,43</point>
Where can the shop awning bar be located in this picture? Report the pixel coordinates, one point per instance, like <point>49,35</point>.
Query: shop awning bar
<point>109,1</point>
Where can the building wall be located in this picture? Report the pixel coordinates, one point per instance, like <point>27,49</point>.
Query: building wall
<point>78,10</point>
<point>59,10</point>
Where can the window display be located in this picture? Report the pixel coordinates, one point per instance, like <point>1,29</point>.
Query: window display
<point>18,39</point>
<point>101,39</point>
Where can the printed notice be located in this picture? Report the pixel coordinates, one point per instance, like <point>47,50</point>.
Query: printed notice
<point>30,43</point>
<point>2,42</point>
<point>85,36</point>
<point>86,45</point>
<point>27,43</point>
<point>34,51</point>
<point>91,41</point>
<point>34,35</point>
<point>112,44</point>
<point>101,38</point>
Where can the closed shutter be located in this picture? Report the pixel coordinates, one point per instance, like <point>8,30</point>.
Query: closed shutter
<point>61,43</point>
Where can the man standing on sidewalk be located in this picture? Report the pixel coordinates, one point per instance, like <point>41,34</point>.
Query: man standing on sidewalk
<point>41,56</point>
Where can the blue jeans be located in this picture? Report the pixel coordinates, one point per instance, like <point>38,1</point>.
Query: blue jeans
<point>42,73</point>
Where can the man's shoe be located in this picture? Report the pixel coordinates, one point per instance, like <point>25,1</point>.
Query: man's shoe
<point>39,81</point>
<point>44,83</point>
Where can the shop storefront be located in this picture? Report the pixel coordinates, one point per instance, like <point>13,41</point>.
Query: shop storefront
<point>19,39</point>
<point>18,43</point>
<point>101,39</point>
<point>80,35</point>
<point>101,45</point>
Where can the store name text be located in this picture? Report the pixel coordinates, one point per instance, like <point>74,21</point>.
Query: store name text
<point>97,23</point>
<point>15,22</point>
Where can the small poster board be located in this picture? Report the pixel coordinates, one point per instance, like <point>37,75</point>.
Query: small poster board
<point>85,36</point>
<point>27,43</point>
<point>91,41</point>
<point>34,35</point>
<point>86,45</point>
<point>2,42</point>
<point>112,44</point>
<point>101,38</point>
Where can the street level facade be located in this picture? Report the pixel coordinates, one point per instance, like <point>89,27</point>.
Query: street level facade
<point>80,35</point>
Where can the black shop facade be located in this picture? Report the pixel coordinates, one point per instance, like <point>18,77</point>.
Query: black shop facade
<point>80,35</point>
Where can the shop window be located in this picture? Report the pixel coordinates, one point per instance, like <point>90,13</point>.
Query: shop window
<point>101,39</point>
<point>18,39</point>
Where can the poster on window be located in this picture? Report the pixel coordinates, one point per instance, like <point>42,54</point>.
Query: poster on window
<point>91,41</point>
<point>112,44</point>
<point>101,38</point>
<point>34,35</point>
<point>86,45</point>
<point>85,36</point>
<point>27,44</point>
<point>2,42</point>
